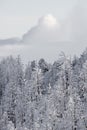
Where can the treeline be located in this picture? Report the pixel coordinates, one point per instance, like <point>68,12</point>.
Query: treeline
<point>43,96</point>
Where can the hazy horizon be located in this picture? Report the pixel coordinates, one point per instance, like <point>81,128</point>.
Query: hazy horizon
<point>42,29</point>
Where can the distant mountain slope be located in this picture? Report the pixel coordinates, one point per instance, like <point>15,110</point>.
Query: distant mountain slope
<point>9,41</point>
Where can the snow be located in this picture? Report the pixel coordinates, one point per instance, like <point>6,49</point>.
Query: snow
<point>43,96</point>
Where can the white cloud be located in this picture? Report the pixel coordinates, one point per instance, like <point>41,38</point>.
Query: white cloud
<point>45,31</point>
<point>50,37</point>
<point>73,29</point>
<point>48,21</point>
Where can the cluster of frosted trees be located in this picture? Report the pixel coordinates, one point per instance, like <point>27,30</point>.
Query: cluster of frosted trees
<point>43,96</point>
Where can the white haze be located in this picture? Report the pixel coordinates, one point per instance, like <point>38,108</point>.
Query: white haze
<point>51,36</point>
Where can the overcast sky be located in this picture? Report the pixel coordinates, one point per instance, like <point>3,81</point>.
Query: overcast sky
<point>18,16</point>
<point>43,28</point>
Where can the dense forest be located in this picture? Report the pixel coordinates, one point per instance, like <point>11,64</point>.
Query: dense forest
<point>43,96</point>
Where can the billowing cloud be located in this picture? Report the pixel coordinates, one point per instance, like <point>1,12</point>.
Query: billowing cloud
<point>48,21</point>
<point>73,29</point>
<point>50,36</point>
<point>46,31</point>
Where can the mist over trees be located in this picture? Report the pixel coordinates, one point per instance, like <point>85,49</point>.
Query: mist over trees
<point>43,96</point>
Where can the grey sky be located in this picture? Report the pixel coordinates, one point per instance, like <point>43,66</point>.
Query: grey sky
<point>44,28</point>
<point>18,16</point>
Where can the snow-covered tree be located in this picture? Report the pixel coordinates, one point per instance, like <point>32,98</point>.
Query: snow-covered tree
<point>42,96</point>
